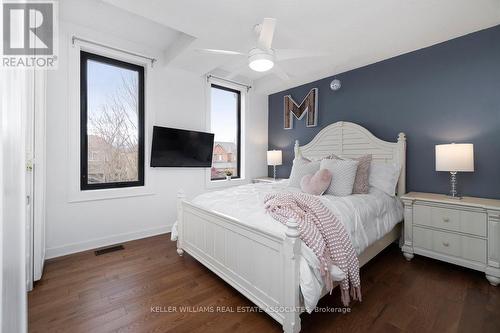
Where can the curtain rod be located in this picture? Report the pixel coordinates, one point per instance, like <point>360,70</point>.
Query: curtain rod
<point>231,81</point>
<point>74,38</point>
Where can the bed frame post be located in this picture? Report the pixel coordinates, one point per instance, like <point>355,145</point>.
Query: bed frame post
<point>402,163</point>
<point>296,150</point>
<point>181,196</point>
<point>291,295</point>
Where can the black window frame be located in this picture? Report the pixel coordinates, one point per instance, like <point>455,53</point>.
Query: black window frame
<point>84,185</point>
<point>238,120</point>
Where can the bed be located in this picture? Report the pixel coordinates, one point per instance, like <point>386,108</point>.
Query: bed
<point>263,260</point>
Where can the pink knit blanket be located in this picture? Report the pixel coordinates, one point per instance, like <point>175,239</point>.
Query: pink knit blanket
<point>321,231</point>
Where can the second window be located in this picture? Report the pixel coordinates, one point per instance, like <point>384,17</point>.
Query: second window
<point>225,121</point>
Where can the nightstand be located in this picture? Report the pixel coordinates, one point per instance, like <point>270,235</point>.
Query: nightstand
<point>464,232</point>
<point>266,180</point>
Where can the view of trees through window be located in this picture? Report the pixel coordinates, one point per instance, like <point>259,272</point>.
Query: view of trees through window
<point>225,122</point>
<point>113,111</point>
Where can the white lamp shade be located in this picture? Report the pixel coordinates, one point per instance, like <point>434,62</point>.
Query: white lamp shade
<point>274,157</point>
<point>455,157</point>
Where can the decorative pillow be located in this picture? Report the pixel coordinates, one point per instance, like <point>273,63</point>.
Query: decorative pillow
<point>316,184</point>
<point>361,183</point>
<point>300,168</point>
<point>384,176</point>
<point>343,174</point>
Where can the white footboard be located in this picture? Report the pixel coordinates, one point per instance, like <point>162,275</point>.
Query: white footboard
<point>261,266</point>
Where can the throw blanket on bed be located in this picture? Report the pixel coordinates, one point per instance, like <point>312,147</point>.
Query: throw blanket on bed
<point>323,233</point>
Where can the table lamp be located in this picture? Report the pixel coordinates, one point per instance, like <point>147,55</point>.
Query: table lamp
<point>455,157</point>
<point>274,158</point>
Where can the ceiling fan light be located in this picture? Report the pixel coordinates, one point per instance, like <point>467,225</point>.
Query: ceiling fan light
<point>260,61</point>
<point>261,65</point>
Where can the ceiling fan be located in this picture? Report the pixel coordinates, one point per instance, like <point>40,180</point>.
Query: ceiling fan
<point>263,57</point>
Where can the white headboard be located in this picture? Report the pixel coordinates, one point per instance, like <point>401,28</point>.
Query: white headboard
<point>351,140</point>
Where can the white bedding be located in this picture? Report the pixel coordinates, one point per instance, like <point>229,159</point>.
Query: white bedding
<point>366,217</point>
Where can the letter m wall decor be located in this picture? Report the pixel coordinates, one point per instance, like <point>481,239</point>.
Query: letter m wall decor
<point>308,106</point>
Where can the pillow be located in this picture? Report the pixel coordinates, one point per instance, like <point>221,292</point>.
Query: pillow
<point>384,176</point>
<point>300,168</point>
<point>361,184</point>
<point>316,184</point>
<point>343,174</point>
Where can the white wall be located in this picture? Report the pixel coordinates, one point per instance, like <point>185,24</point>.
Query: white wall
<point>174,98</point>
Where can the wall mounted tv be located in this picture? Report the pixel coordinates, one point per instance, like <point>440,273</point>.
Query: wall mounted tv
<point>174,147</point>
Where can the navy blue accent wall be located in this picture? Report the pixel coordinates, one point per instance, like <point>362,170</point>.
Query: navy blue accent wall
<point>445,93</point>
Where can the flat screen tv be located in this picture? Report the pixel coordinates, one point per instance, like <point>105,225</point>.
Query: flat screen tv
<point>174,147</point>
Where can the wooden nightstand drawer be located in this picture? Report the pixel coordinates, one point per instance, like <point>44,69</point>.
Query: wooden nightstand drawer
<point>451,244</point>
<point>437,241</point>
<point>466,221</point>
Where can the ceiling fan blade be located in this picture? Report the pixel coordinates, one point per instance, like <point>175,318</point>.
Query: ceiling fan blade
<point>222,52</point>
<point>266,33</point>
<point>289,54</point>
<point>278,70</point>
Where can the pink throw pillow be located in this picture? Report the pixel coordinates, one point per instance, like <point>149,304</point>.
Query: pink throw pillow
<point>316,184</point>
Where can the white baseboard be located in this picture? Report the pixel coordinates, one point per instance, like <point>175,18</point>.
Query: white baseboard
<point>105,241</point>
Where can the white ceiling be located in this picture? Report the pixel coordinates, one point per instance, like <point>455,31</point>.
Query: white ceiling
<point>103,17</point>
<point>353,32</point>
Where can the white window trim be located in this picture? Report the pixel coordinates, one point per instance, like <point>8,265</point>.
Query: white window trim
<point>209,183</point>
<point>75,194</point>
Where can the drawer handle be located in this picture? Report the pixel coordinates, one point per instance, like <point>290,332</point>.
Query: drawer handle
<point>446,219</point>
<point>446,244</point>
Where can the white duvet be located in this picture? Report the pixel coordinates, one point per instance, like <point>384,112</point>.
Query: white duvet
<point>366,217</point>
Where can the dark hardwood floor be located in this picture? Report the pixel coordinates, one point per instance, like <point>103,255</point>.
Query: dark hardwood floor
<point>116,292</point>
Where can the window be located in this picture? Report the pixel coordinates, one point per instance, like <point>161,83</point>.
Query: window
<point>112,123</point>
<point>225,122</point>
